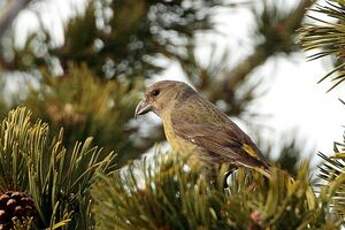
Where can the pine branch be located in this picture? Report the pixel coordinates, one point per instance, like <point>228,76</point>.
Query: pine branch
<point>128,41</point>
<point>167,194</point>
<point>279,35</point>
<point>58,179</point>
<point>332,174</point>
<point>325,36</point>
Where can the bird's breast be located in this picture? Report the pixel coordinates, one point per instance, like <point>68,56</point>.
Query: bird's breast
<point>177,143</point>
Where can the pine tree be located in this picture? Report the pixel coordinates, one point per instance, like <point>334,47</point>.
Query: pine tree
<point>52,176</point>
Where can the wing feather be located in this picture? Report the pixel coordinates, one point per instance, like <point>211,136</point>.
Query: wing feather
<point>225,142</point>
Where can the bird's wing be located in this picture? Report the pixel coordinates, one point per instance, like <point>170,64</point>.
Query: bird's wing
<point>227,143</point>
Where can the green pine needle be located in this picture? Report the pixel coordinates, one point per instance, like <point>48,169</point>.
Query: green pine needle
<point>58,179</point>
<point>172,196</point>
<point>326,37</point>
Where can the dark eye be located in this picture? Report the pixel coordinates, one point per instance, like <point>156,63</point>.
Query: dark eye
<point>155,92</point>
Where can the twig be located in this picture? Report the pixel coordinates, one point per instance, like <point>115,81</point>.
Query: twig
<point>260,55</point>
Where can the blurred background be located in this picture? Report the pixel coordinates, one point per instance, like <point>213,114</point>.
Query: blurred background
<point>83,65</point>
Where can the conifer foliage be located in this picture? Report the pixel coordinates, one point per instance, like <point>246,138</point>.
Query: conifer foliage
<point>82,93</point>
<point>56,179</point>
<point>169,196</point>
<point>324,36</point>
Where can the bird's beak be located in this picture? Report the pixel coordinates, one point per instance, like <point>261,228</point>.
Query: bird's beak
<point>142,108</point>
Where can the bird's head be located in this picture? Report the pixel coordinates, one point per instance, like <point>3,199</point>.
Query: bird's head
<point>162,95</point>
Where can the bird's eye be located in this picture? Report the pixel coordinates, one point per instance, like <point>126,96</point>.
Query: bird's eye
<point>155,92</point>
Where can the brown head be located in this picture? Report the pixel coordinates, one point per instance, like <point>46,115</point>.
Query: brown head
<point>161,95</point>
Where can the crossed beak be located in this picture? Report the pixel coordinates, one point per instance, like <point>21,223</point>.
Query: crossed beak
<point>142,108</point>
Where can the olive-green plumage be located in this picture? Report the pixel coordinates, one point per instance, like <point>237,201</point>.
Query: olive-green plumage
<point>194,125</point>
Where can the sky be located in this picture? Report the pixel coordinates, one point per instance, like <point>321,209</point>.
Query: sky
<point>293,102</point>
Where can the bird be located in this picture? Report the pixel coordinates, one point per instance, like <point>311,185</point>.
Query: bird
<point>194,125</point>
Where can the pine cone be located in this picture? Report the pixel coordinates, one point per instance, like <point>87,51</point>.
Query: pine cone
<point>15,206</point>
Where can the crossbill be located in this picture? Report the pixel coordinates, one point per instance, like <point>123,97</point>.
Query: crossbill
<point>194,125</point>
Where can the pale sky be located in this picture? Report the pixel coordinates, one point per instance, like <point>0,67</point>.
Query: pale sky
<point>293,103</point>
